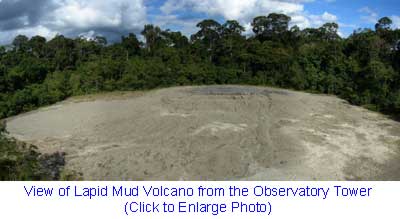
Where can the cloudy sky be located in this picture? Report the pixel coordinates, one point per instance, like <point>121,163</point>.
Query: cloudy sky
<point>113,18</point>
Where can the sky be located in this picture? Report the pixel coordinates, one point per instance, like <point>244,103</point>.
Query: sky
<point>113,18</point>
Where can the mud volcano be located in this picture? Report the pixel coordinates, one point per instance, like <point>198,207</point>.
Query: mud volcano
<point>216,133</point>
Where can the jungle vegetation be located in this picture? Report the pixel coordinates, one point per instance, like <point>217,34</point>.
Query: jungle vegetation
<point>363,68</point>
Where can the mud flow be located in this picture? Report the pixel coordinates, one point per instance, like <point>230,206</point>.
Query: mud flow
<point>216,133</point>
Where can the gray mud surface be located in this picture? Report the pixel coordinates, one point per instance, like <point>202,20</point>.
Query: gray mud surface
<point>235,90</point>
<point>216,133</point>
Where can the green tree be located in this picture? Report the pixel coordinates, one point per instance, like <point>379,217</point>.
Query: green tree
<point>20,43</point>
<point>37,44</point>
<point>329,31</point>
<point>271,27</point>
<point>131,45</point>
<point>208,36</point>
<point>383,24</point>
<point>152,34</point>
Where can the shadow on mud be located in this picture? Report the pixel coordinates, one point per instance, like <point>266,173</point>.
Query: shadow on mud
<point>395,117</point>
<point>23,162</point>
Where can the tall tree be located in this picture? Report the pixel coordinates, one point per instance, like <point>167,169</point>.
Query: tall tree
<point>20,43</point>
<point>38,46</point>
<point>383,24</point>
<point>62,52</point>
<point>329,31</point>
<point>260,26</point>
<point>176,39</point>
<point>131,45</point>
<point>271,27</point>
<point>232,28</point>
<point>232,42</point>
<point>208,35</point>
<point>152,35</point>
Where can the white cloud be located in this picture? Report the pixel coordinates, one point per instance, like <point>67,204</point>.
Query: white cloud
<point>329,17</point>
<point>234,9</point>
<point>185,26</point>
<point>84,14</point>
<point>396,21</point>
<point>245,10</point>
<point>9,35</point>
<point>369,15</point>
<point>72,17</point>
<point>318,20</point>
<point>113,18</point>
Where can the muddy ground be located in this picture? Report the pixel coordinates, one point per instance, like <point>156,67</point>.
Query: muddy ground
<point>216,133</point>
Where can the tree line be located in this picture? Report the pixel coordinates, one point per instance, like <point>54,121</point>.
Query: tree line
<point>363,68</point>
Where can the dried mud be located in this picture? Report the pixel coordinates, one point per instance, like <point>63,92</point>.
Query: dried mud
<point>216,133</point>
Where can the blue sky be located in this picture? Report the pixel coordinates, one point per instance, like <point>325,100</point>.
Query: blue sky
<point>356,13</point>
<point>113,18</point>
<point>350,14</point>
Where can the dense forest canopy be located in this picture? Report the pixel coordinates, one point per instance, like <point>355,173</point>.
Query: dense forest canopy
<point>363,68</point>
